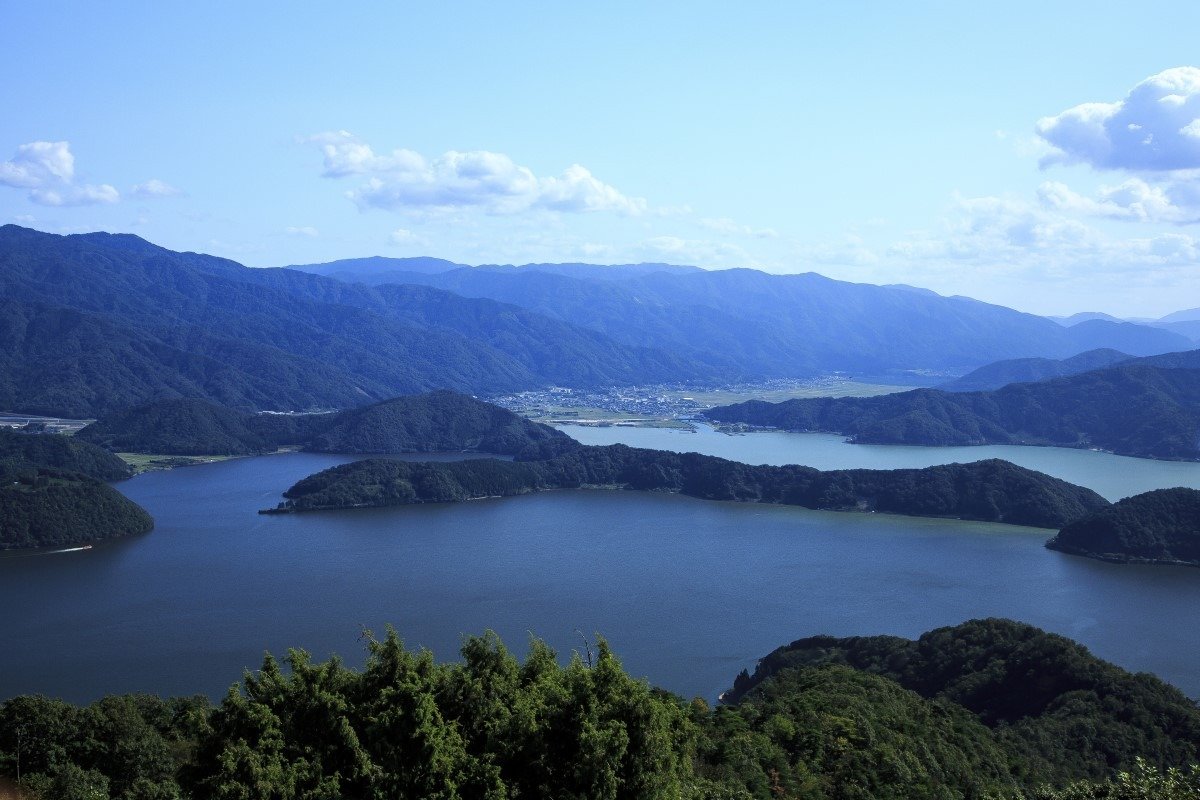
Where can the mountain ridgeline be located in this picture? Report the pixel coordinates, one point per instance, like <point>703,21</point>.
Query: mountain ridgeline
<point>1158,527</point>
<point>1029,370</point>
<point>1145,407</point>
<point>431,422</point>
<point>91,324</point>
<point>769,326</point>
<point>96,323</point>
<point>949,716</point>
<point>994,491</point>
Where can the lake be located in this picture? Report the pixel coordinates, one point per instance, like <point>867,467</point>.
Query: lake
<point>687,591</point>
<point>1113,477</point>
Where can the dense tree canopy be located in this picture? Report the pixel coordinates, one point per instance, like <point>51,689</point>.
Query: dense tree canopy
<point>430,422</point>
<point>1149,408</point>
<point>495,726</point>
<point>1162,526</point>
<point>985,490</point>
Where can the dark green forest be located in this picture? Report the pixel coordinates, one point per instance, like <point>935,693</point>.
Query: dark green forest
<point>993,490</point>
<point>61,452</point>
<point>44,507</point>
<point>1136,409</point>
<point>440,421</point>
<point>824,719</point>
<point>1162,527</point>
<point>53,493</point>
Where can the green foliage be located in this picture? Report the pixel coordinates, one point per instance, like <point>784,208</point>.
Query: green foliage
<point>1061,711</point>
<point>42,507</point>
<point>68,453</point>
<point>985,490</point>
<point>127,747</point>
<point>986,710</point>
<point>407,727</point>
<point>430,422</point>
<point>1138,408</point>
<point>1162,526</point>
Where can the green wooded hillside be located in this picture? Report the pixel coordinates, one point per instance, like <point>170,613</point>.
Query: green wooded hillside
<point>838,721</point>
<point>1162,526</point>
<point>986,490</point>
<point>430,422</point>
<point>1137,409</point>
<point>43,507</point>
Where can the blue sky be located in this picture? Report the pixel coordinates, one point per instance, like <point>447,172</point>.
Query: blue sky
<point>946,145</point>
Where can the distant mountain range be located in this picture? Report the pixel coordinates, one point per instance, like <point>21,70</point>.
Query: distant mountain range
<point>1146,407</point>
<point>1185,323</point>
<point>96,323</point>
<point>768,326</point>
<point>1027,370</point>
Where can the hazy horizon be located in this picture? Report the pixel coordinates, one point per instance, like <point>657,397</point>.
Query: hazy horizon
<point>1025,156</point>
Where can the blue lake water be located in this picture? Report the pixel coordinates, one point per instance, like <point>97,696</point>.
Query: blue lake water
<point>688,591</point>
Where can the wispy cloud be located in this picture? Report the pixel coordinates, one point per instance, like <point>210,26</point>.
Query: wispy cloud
<point>47,170</point>
<point>154,189</point>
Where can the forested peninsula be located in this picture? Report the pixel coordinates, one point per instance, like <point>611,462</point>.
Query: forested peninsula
<point>437,421</point>
<point>52,493</point>
<point>1137,409</point>
<point>993,490</point>
<point>1158,527</point>
<point>947,717</point>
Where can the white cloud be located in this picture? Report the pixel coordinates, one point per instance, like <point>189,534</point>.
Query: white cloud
<point>154,188</point>
<point>405,180</point>
<point>1135,199</point>
<point>47,170</point>
<point>307,231</point>
<point>1154,128</point>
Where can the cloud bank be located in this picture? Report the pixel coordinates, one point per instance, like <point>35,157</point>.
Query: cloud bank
<point>478,179</point>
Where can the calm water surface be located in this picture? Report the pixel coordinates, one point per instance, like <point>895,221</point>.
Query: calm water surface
<point>1111,476</point>
<point>688,591</point>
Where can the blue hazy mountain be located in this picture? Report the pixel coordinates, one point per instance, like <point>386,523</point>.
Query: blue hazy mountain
<point>783,325</point>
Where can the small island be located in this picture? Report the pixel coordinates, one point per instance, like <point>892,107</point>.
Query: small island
<point>991,491</point>
<point>1159,527</point>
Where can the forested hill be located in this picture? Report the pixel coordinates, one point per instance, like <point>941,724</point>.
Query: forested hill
<point>1159,527</point>
<point>62,453</point>
<point>1079,716</point>
<point>1027,370</point>
<point>1135,409</point>
<point>430,422</point>
<point>995,491</point>
<point>44,507</point>
<point>95,323</point>
<point>839,721</point>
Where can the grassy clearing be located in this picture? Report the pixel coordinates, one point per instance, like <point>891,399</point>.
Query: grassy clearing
<point>144,462</point>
